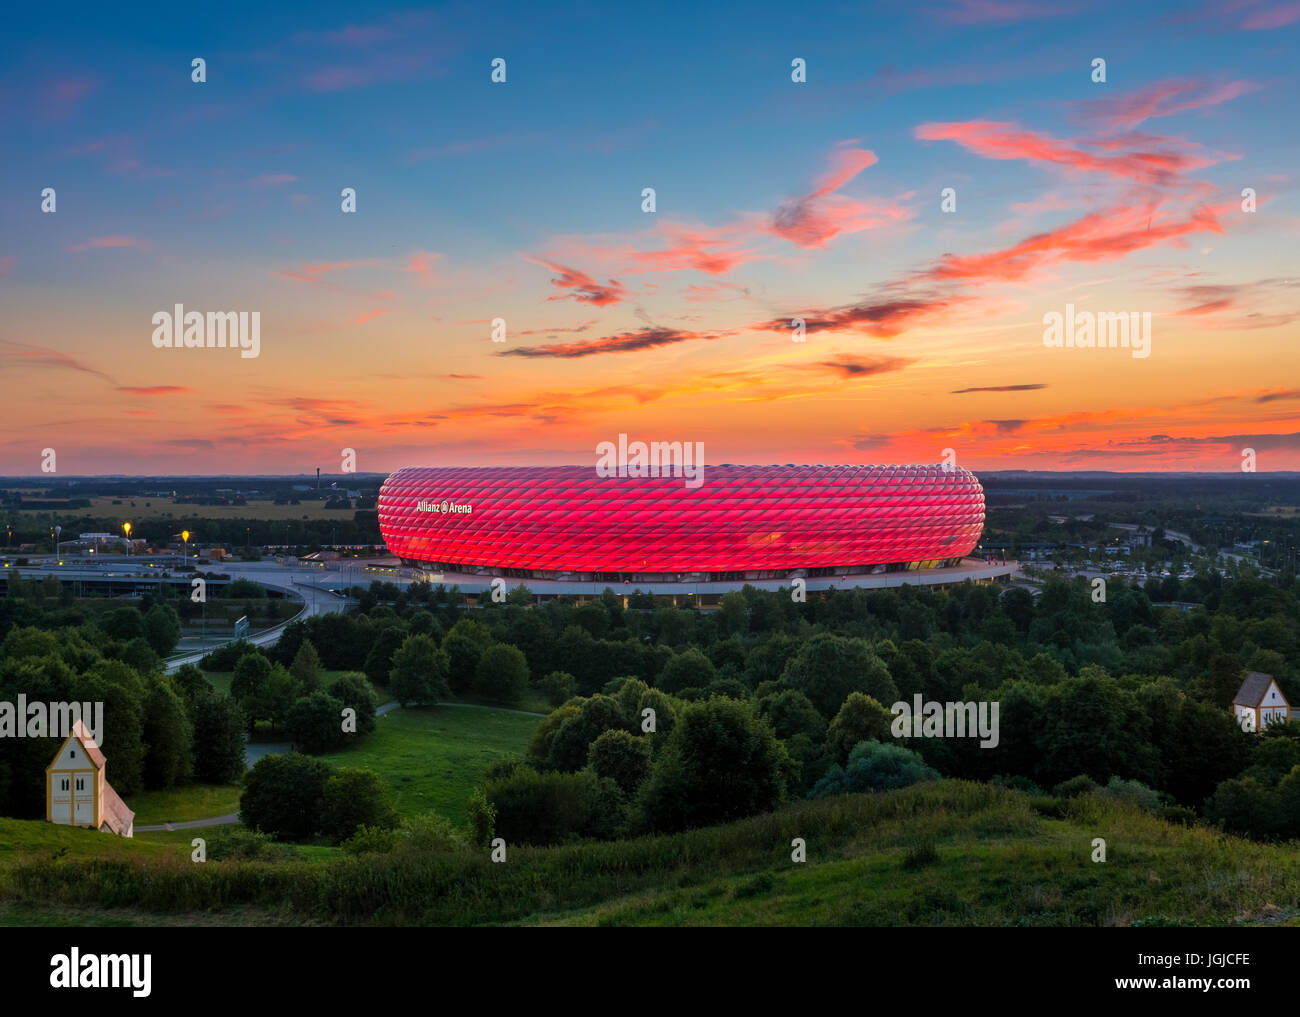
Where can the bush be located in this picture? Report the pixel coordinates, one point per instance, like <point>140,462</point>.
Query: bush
<point>284,796</point>
<point>483,816</point>
<point>874,766</point>
<point>354,798</point>
<point>1134,791</point>
<point>1180,815</point>
<point>430,833</point>
<point>549,808</point>
<point>1016,782</point>
<point>500,769</point>
<point>236,843</point>
<point>371,840</point>
<point>1075,786</point>
<point>623,758</point>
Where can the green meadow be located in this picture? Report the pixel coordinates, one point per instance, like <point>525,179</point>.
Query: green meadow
<point>942,853</point>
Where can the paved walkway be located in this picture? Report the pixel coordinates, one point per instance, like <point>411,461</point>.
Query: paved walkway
<point>232,817</point>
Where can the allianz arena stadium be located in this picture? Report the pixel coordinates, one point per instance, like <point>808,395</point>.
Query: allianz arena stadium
<point>746,522</point>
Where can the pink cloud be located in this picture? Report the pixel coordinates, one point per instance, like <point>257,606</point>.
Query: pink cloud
<point>64,95</point>
<point>110,241</point>
<point>1271,17</point>
<point>1162,99</point>
<point>1145,161</point>
<point>313,273</point>
<point>421,263</point>
<point>273,179</point>
<point>814,219</point>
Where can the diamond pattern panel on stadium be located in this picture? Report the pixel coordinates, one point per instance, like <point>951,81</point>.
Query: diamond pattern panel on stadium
<point>566,518</point>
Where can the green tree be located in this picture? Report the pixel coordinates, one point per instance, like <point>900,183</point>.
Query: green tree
<point>169,736</point>
<point>162,628</point>
<point>558,686</point>
<point>690,669</point>
<point>218,738</point>
<point>379,661</point>
<point>306,667</point>
<point>721,762</point>
<point>251,672</point>
<point>502,674</point>
<point>828,667</point>
<point>420,671</point>
<point>570,746</point>
<point>352,690</point>
<point>464,645</point>
<point>860,719</point>
<point>315,723</point>
<point>275,696</point>
<point>284,796</point>
<point>123,737</point>
<point>190,682</point>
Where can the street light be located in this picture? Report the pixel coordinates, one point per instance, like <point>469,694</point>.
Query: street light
<point>185,538</point>
<point>126,528</point>
<point>58,532</point>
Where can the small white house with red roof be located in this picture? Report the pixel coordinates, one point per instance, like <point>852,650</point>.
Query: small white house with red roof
<point>1259,702</point>
<point>77,793</point>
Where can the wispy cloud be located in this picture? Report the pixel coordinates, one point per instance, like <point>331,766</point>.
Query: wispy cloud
<point>625,342</point>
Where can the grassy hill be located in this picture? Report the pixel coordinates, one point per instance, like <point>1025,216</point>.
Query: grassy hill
<point>950,852</point>
<point>431,758</point>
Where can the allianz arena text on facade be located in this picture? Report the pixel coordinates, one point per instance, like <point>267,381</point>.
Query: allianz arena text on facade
<point>744,522</point>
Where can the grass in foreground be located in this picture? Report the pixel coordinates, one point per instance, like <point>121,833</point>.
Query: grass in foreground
<point>946,853</point>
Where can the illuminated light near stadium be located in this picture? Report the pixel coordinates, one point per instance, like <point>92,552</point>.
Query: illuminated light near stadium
<point>564,520</point>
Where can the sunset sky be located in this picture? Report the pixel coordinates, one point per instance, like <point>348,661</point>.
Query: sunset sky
<point>775,199</point>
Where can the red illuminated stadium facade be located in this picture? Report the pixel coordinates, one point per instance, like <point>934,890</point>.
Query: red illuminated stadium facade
<point>745,522</point>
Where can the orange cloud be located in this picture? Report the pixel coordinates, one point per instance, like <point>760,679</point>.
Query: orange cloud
<point>584,288</point>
